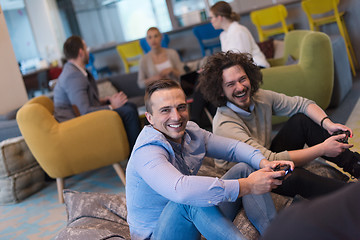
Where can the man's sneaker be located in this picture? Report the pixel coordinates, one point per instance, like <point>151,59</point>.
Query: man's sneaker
<point>355,166</point>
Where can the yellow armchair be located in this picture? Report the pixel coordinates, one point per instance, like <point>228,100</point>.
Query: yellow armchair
<point>81,144</point>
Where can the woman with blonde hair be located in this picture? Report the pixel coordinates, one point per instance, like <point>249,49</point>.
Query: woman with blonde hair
<point>159,62</point>
<point>235,36</point>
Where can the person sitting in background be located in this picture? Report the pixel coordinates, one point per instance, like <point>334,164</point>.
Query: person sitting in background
<point>159,62</point>
<point>76,92</point>
<point>232,82</point>
<point>165,198</point>
<point>235,36</point>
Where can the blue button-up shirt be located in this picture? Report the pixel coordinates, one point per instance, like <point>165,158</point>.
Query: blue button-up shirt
<point>160,171</point>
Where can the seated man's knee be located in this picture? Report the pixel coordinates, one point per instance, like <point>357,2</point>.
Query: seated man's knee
<point>240,170</point>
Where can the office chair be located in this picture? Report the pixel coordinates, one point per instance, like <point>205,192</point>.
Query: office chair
<point>96,71</point>
<point>314,8</point>
<point>130,54</point>
<point>267,21</point>
<point>208,37</point>
<point>84,143</point>
<point>164,43</point>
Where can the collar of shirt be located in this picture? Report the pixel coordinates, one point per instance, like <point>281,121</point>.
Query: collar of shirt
<point>83,71</point>
<point>240,111</point>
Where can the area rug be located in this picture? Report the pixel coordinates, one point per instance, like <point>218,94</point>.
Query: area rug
<point>41,216</point>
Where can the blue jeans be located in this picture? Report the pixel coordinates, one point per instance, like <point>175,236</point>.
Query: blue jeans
<point>179,221</point>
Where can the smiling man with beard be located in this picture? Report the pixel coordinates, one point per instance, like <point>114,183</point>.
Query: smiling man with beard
<point>166,200</point>
<point>232,82</point>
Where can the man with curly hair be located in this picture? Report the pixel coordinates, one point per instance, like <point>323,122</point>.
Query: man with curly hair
<point>232,82</point>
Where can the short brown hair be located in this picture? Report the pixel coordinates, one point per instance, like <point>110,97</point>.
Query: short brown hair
<point>211,78</point>
<point>224,9</point>
<point>72,46</point>
<point>155,86</point>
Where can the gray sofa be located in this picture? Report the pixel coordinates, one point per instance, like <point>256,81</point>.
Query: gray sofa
<point>8,126</point>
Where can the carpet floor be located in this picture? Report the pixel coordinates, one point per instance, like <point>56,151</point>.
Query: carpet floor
<point>41,216</point>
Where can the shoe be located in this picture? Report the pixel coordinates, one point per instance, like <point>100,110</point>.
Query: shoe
<point>354,169</point>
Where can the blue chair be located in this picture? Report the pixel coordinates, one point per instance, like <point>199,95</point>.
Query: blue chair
<point>208,37</point>
<point>164,43</point>
<point>96,71</point>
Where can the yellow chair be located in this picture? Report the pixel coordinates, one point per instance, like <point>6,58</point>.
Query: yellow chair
<point>81,144</point>
<point>267,21</point>
<point>317,12</point>
<point>130,54</point>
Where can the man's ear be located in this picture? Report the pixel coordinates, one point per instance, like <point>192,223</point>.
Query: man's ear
<point>149,117</point>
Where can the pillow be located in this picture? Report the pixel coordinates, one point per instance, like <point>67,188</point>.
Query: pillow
<point>279,46</point>
<point>291,60</point>
<point>110,207</point>
<point>95,216</point>
<point>267,47</point>
<point>106,89</point>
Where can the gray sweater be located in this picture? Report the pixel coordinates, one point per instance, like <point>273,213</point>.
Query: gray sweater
<point>256,128</point>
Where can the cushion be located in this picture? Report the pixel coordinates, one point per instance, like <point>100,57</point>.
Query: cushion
<point>21,185</point>
<point>15,157</point>
<point>279,46</point>
<point>106,89</point>
<point>95,216</point>
<point>20,174</point>
<point>267,47</point>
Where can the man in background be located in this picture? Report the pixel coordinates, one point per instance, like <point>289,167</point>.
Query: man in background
<point>76,92</point>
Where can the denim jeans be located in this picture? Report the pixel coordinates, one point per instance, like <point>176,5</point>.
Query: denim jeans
<point>179,221</point>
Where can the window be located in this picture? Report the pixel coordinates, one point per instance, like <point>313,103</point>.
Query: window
<point>136,16</point>
<point>20,32</point>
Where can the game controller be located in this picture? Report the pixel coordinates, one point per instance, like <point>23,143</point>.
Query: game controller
<point>345,139</point>
<point>285,168</point>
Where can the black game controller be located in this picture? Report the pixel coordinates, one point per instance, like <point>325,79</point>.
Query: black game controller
<point>345,139</point>
<point>285,168</point>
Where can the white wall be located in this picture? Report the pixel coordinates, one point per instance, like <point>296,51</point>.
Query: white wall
<point>12,88</point>
<point>47,28</point>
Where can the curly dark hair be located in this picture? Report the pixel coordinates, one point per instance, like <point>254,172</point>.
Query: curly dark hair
<point>211,81</point>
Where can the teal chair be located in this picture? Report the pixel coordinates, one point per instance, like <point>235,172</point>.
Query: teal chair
<point>208,38</point>
<point>164,43</point>
<point>97,71</point>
